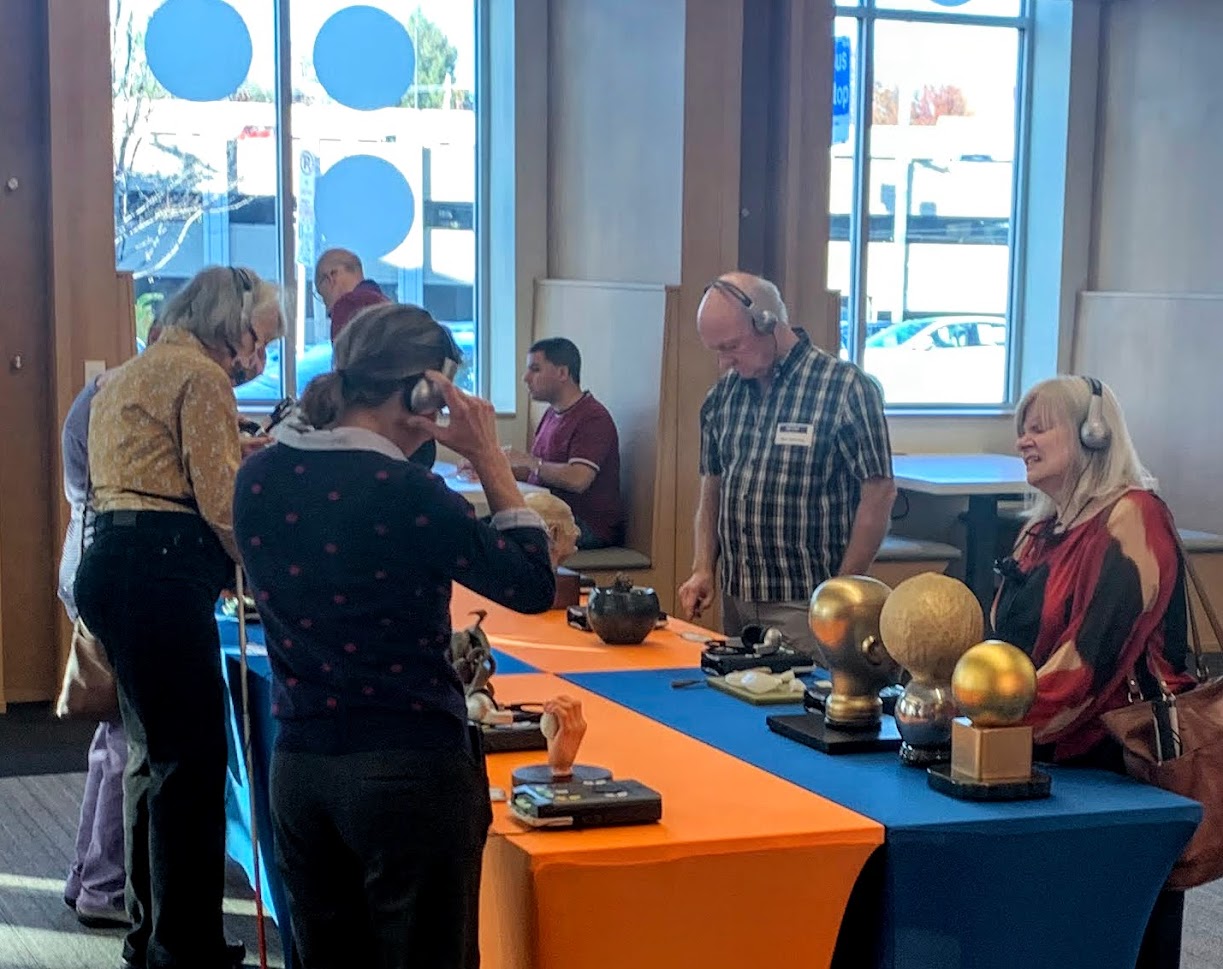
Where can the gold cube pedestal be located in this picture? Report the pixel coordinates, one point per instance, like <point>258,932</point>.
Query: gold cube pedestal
<point>989,764</point>
<point>991,753</point>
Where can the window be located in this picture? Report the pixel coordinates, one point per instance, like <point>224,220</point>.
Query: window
<point>928,109</point>
<point>261,132</point>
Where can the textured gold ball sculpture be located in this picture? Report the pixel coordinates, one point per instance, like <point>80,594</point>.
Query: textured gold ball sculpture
<point>994,684</point>
<point>928,622</point>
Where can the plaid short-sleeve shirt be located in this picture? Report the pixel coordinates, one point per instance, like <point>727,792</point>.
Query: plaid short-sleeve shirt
<point>791,463</point>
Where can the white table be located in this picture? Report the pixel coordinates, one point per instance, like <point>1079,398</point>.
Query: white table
<point>983,479</point>
<point>473,491</point>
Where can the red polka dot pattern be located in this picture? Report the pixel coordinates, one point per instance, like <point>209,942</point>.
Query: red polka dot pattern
<point>354,607</point>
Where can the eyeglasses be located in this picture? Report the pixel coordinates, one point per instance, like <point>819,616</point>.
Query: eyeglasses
<point>257,344</point>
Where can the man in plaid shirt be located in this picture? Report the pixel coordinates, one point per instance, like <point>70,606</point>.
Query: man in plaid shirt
<point>796,467</point>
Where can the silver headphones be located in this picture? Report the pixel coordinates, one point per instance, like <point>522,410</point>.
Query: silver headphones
<point>763,321</point>
<point>423,397</point>
<point>1094,433</point>
<point>420,396</point>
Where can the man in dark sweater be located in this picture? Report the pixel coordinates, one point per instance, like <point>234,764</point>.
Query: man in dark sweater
<point>340,280</point>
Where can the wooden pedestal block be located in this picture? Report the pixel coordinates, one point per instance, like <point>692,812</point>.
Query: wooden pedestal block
<point>990,754</point>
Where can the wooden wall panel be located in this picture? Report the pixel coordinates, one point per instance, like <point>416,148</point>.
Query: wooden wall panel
<point>786,128</point>
<point>57,239</point>
<point>710,234</point>
<point>27,564</point>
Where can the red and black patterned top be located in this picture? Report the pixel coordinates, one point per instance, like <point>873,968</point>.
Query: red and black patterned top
<point>351,550</point>
<point>1091,606</point>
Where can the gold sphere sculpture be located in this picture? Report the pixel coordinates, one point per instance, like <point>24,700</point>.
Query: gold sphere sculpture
<point>927,624</point>
<point>994,684</point>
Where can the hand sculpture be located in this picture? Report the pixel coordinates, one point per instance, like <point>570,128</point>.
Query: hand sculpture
<point>563,726</point>
<point>761,681</point>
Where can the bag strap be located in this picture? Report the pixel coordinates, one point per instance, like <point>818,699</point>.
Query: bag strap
<point>1212,618</point>
<point>1192,578</point>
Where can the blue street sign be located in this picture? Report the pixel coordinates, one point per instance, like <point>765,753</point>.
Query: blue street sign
<point>840,91</point>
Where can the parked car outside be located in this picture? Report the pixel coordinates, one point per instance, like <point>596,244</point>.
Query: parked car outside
<point>940,360</point>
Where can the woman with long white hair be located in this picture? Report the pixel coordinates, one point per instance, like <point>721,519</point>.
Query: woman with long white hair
<point>1094,590</point>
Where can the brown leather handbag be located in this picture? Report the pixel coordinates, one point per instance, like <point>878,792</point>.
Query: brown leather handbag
<point>88,691</point>
<point>1176,742</point>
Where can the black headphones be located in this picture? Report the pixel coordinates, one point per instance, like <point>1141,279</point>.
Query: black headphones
<point>421,395</point>
<point>246,289</point>
<point>763,321</point>
<point>1094,433</point>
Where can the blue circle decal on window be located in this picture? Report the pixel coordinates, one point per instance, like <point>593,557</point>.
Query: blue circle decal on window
<point>364,58</point>
<point>199,50</point>
<point>365,204</point>
<point>951,3</point>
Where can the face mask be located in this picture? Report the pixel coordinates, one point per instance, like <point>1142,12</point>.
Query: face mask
<point>241,373</point>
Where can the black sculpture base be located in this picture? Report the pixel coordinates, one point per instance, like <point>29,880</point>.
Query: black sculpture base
<point>542,774</point>
<point>816,695</point>
<point>924,756</point>
<point>499,738</point>
<point>810,729</point>
<point>966,789</point>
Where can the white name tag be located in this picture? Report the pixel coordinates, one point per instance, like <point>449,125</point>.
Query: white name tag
<point>794,435</point>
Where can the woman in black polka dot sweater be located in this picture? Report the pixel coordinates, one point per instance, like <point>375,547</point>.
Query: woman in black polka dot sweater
<point>379,796</point>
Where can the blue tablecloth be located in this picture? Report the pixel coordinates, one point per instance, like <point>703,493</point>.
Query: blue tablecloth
<point>254,636</point>
<point>1063,882</point>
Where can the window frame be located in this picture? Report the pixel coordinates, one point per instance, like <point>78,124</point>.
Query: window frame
<point>867,15</point>
<point>296,282</point>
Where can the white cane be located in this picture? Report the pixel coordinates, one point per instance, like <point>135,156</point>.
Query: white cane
<point>239,586</point>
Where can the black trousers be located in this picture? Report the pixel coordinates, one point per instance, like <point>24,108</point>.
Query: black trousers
<point>1161,943</point>
<point>147,587</point>
<point>380,853</point>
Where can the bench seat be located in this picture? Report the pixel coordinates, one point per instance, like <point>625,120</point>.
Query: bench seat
<point>902,558</point>
<point>607,559</point>
<point>898,549</point>
<point>1198,542</point>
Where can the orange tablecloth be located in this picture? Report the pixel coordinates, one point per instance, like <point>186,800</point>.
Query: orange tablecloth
<point>549,643</point>
<point>651,895</point>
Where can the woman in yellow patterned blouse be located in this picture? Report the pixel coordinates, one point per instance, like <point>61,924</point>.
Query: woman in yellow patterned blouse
<point>163,454</point>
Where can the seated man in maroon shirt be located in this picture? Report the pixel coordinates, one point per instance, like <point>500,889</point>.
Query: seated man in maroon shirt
<point>340,280</point>
<point>576,451</point>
